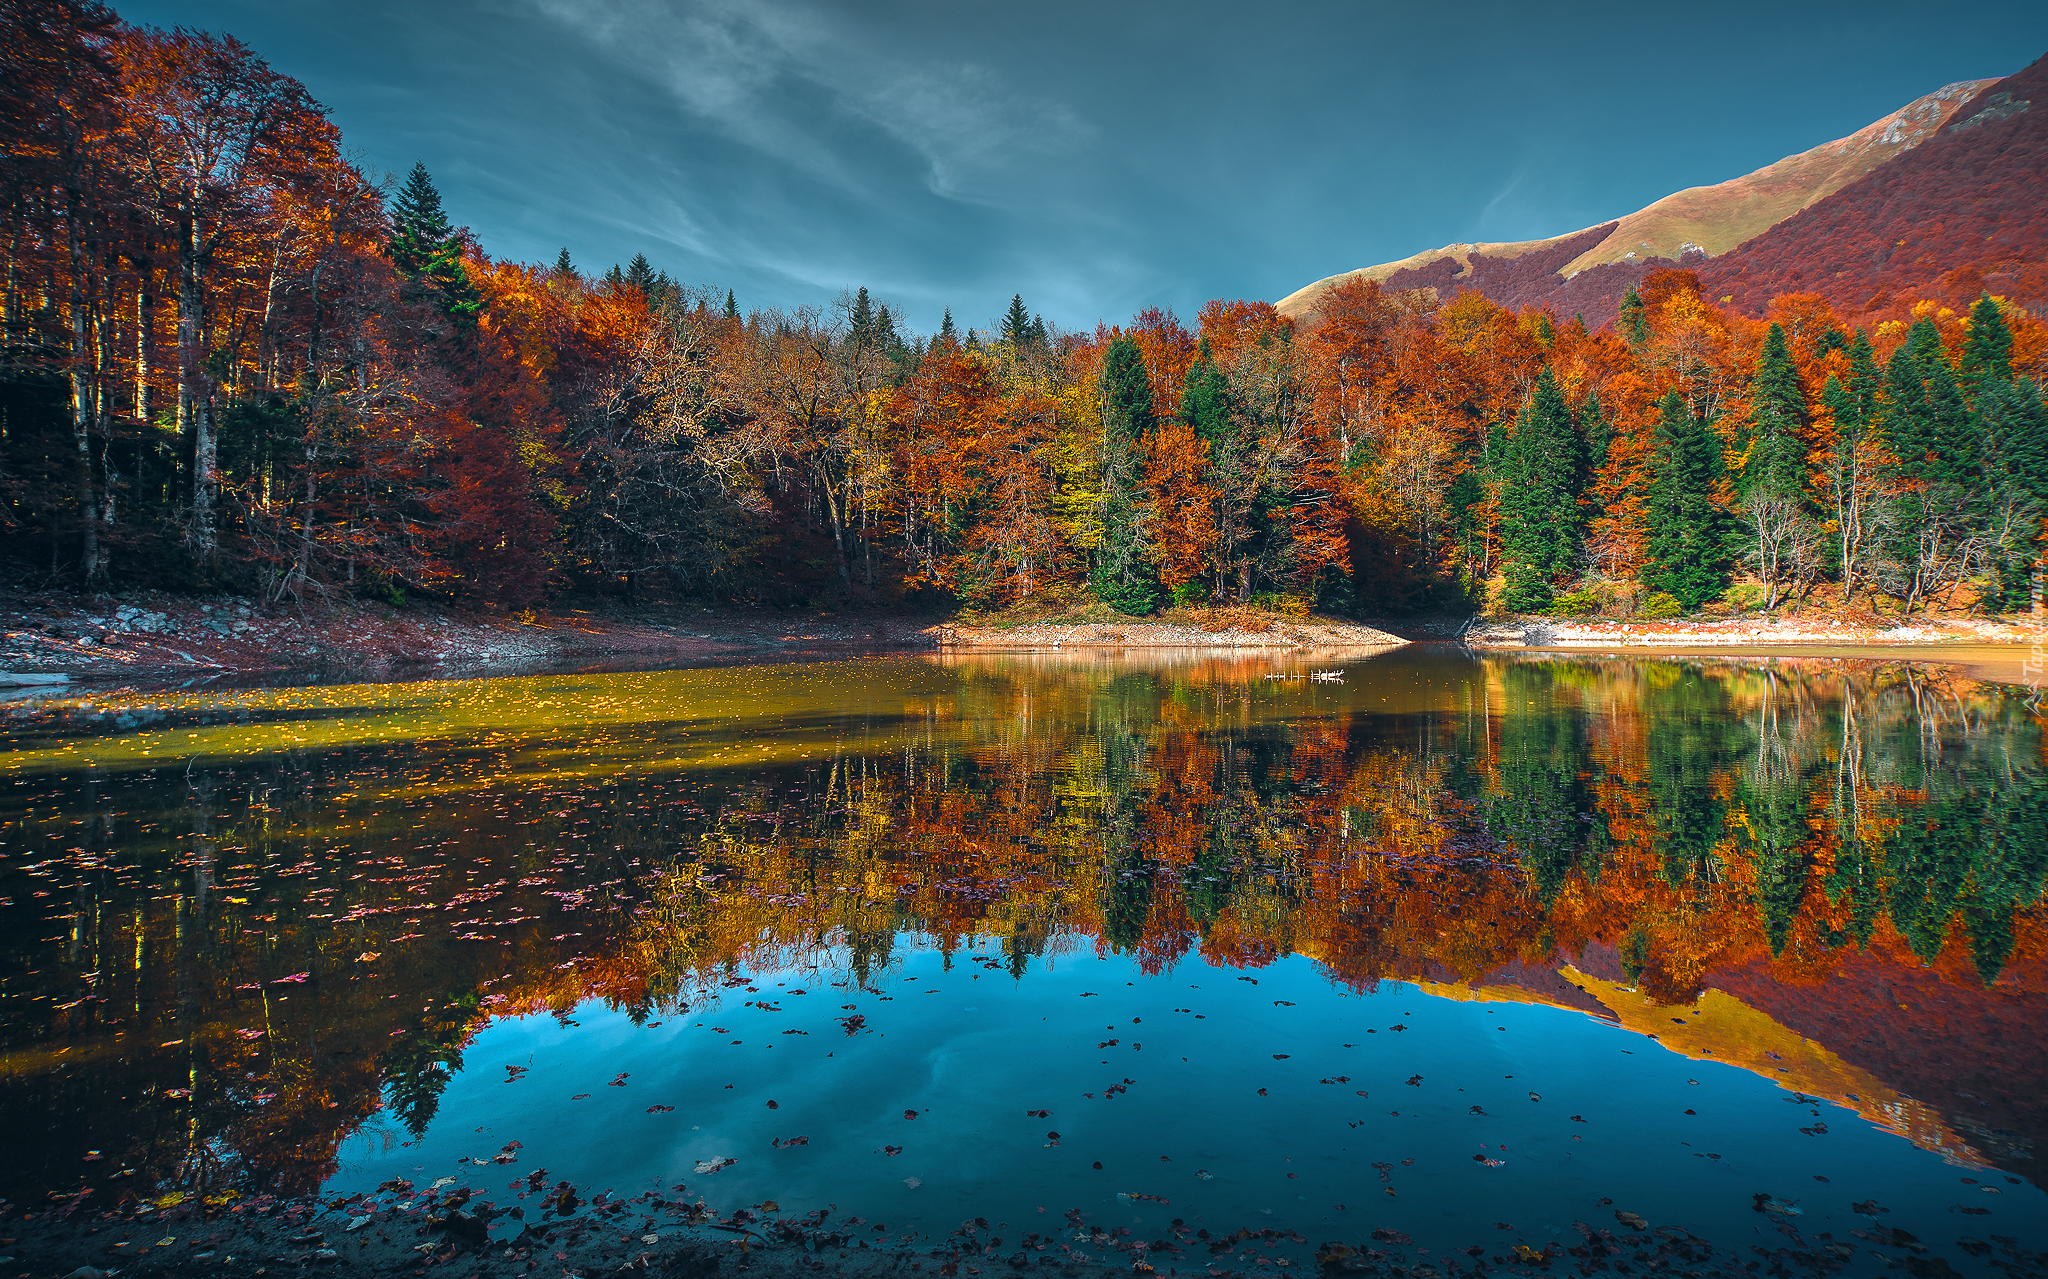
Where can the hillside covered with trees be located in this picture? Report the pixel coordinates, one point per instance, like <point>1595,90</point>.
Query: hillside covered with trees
<point>233,359</point>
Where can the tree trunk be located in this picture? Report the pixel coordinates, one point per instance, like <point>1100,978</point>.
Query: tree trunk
<point>82,393</point>
<point>195,424</point>
<point>142,349</point>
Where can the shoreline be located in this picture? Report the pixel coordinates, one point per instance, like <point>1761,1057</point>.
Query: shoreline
<point>56,641</point>
<point>461,1231</point>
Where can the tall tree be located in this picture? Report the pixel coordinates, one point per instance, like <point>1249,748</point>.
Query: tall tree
<point>1633,323</point>
<point>641,277</point>
<point>1987,352</point>
<point>214,135</point>
<point>1122,571</point>
<point>1783,537</point>
<point>563,266</point>
<point>1687,553</point>
<point>1542,530</point>
<point>1016,327</point>
<point>427,252</point>
<point>732,306</point>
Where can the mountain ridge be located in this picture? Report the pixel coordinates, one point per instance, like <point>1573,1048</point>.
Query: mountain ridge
<point>1687,227</point>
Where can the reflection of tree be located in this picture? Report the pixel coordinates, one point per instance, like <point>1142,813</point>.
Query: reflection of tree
<point>418,1067</point>
<point>1544,805</point>
<point>1693,817</point>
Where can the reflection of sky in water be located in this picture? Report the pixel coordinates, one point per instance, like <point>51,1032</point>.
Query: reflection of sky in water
<point>974,1053</point>
<point>319,921</point>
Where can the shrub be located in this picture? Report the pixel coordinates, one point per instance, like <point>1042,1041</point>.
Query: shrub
<point>1577,603</point>
<point>1742,597</point>
<point>1661,605</point>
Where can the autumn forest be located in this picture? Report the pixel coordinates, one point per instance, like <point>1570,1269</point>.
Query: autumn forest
<point>236,358</point>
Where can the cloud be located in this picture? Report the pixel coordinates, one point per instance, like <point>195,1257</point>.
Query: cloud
<point>830,99</point>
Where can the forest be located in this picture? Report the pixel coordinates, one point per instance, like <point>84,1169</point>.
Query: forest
<point>235,358</point>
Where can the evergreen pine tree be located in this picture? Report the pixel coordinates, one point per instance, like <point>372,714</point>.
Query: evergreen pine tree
<point>1017,324</point>
<point>946,331</point>
<point>1774,452</point>
<point>1634,325</point>
<point>1598,433</point>
<point>1541,527</point>
<point>1122,572</point>
<point>615,277</point>
<point>640,275</point>
<point>419,227</point>
<point>1205,400</point>
<point>564,267</point>
<point>2016,442</point>
<point>427,252</point>
<point>1038,330</point>
<point>1987,352</point>
<point>732,306</point>
<point>860,322</point>
<point>1688,545</point>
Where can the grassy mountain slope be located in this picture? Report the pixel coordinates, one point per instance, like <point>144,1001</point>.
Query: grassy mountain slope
<point>1699,222</point>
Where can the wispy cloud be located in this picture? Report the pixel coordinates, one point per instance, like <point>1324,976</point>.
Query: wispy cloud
<point>811,91</point>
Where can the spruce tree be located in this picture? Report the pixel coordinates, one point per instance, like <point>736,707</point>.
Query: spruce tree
<point>1017,324</point>
<point>1037,330</point>
<point>2016,440</point>
<point>1598,433</point>
<point>427,252</point>
<point>564,267</point>
<point>1634,325</point>
<point>640,275</point>
<point>946,331</point>
<point>1122,572</point>
<point>1688,545</point>
<point>1542,472</point>
<point>860,323</point>
<point>1987,352</point>
<point>1774,450</point>
<point>419,227</point>
<point>1205,400</point>
<point>732,306</point>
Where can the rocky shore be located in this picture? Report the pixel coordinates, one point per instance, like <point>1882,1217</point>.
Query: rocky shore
<point>554,1230</point>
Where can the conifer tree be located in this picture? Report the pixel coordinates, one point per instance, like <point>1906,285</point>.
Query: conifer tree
<point>1774,452</point>
<point>1017,324</point>
<point>860,321</point>
<point>1598,433</point>
<point>1687,548</point>
<point>1122,574</point>
<point>1542,472</point>
<point>1205,400</point>
<point>1037,330</point>
<point>2016,440</point>
<point>640,275</point>
<point>946,331</point>
<point>419,227</point>
<point>427,252</point>
<point>732,306</point>
<point>1634,325</point>
<point>1987,352</point>
<point>564,267</point>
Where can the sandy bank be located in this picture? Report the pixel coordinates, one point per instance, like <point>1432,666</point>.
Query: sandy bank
<point>1278,633</point>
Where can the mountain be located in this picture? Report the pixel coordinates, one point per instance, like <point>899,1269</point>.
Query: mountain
<point>1799,224</point>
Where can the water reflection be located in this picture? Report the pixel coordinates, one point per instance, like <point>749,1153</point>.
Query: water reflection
<point>239,927</point>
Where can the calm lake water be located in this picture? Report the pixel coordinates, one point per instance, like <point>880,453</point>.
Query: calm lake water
<point>1458,949</point>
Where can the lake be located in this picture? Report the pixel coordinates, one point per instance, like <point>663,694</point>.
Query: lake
<point>1203,959</point>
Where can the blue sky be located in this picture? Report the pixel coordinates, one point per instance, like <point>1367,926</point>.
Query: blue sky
<point>1098,158</point>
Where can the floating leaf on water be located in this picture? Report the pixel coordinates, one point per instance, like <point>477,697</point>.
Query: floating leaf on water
<point>705,1167</point>
<point>1631,1220</point>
